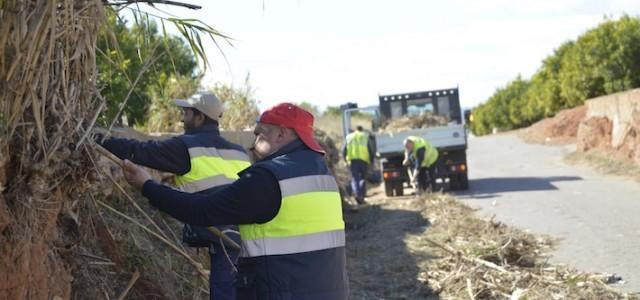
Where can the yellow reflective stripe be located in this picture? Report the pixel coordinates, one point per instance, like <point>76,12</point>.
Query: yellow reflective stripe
<point>300,214</point>
<point>227,154</point>
<point>295,244</point>
<point>305,184</point>
<point>203,184</point>
<point>205,166</point>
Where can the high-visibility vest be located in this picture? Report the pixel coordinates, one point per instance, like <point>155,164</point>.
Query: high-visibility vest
<point>357,146</point>
<point>215,162</point>
<point>300,253</point>
<point>211,166</point>
<point>430,153</point>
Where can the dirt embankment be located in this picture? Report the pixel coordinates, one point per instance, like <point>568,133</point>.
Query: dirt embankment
<point>559,130</point>
<point>612,124</point>
<point>608,124</point>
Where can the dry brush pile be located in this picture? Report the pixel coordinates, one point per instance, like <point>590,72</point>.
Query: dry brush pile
<point>485,259</point>
<point>424,120</point>
<point>66,231</point>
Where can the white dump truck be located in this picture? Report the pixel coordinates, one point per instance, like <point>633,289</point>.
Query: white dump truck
<point>450,139</point>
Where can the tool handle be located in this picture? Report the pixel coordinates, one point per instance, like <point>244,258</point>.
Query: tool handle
<point>109,155</point>
<point>228,241</point>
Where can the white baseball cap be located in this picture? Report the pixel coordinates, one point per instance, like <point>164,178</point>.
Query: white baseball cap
<point>205,102</point>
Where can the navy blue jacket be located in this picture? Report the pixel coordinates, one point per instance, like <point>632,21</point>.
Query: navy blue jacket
<point>172,155</point>
<point>420,157</point>
<point>256,198</point>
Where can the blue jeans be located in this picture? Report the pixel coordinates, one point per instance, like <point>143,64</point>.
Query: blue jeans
<point>221,279</point>
<point>358,178</point>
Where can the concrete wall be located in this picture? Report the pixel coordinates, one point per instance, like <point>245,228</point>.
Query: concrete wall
<point>619,108</point>
<point>243,138</point>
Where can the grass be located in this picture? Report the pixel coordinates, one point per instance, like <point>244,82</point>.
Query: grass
<point>606,163</point>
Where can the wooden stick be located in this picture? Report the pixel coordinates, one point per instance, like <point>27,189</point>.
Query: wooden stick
<point>227,240</point>
<point>475,259</point>
<point>213,230</point>
<point>119,162</point>
<point>109,155</point>
<point>133,280</point>
<point>470,290</point>
<point>196,264</point>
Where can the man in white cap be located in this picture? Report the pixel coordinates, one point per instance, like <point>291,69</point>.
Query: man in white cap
<point>287,204</point>
<point>203,162</point>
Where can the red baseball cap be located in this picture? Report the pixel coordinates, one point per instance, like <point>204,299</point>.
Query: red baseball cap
<point>292,116</point>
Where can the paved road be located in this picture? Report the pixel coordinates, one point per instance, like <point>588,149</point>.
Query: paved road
<point>529,186</point>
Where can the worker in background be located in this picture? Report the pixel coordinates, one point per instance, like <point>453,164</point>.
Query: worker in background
<point>423,157</point>
<point>358,154</point>
<point>288,207</point>
<point>203,162</point>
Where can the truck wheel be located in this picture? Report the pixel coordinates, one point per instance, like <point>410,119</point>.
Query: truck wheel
<point>453,182</point>
<point>463,181</point>
<point>388,188</point>
<point>399,189</point>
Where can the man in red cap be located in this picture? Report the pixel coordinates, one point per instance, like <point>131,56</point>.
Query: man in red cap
<point>288,207</point>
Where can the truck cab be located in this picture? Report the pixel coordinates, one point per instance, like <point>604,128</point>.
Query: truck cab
<point>449,138</point>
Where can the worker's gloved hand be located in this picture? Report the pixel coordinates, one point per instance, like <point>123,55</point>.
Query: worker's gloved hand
<point>98,138</point>
<point>406,162</point>
<point>99,134</point>
<point>135,175</point>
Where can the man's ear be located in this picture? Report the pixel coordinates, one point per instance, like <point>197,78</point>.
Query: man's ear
<point>199,118</point>
<point>282,133</point>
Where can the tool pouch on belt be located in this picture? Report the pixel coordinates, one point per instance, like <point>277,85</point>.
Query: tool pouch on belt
<point>200,236</point>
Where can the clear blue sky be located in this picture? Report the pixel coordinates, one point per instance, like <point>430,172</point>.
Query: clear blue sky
<point>333,51</point>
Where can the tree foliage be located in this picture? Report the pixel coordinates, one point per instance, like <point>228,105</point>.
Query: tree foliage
<point>139,56</point>
<point>603,60</point>
<point>163,114</point>
<point>241,108</point>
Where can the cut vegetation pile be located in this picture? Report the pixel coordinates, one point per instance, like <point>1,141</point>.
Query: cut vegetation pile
<point>434,247</point>
<point>423,120</point>
<point>484,259</point>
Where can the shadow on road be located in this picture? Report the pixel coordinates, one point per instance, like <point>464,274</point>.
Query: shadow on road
<point>489,187</point>
<point>379,263</point>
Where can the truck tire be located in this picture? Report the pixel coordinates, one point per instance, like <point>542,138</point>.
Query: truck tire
<point>463,181</point>
<point>388,188</point>
<point>453,182</point>
<point>399,189</point>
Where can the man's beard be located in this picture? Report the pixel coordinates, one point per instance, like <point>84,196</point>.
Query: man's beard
<point>187,126</point>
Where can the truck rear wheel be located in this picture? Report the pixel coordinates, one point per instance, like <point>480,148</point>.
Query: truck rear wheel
<point>463,181</point>
<point>399,189</point>
<point>388,188</point>
<point>453,182</point>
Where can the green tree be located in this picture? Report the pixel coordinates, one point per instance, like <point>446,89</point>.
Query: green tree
<point>603,60</point>
<point>138,56</point>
